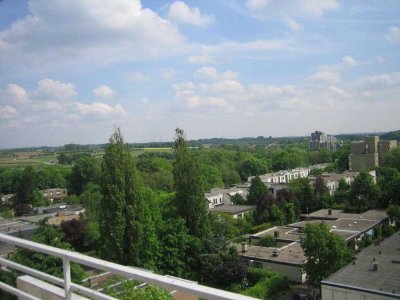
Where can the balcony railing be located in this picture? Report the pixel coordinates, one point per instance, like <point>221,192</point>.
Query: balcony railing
<point>167,282</point>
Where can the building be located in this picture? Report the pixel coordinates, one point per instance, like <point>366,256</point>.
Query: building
<point>332,179</point>
<point>288,256</point>
<point>282,176</point>
<point>374,274</point>
<point>384,147</point>
<point>56,194</point>
<point>319,140</point>
<point>369,153</point>
<point>364,154</point>
<point>219,201</point>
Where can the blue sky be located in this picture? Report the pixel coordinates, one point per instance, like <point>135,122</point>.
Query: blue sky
<point>70,71</point>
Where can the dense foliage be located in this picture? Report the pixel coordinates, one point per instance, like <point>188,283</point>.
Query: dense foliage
<point>326,252</point>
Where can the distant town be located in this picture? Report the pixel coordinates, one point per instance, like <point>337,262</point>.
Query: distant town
<point>268,207</point>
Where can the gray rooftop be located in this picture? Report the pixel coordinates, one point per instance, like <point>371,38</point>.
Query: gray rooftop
<point>373,214</point>
<point>361,274</point>
<point>232,209</point>
<point>291,254</point>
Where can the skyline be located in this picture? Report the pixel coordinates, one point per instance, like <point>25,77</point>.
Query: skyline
<point>72,71</point>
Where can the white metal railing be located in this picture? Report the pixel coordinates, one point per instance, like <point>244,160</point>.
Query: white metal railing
<point>167,282</point>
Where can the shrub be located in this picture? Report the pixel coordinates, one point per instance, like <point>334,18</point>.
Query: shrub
<point>267,241</point>
<point>255,275</point>
<point>260,227</point>
<point>269,288</point>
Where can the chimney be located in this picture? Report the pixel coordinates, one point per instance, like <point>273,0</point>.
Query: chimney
<point>276,233</point>
<point>330,211</point>
<point>244,247</point>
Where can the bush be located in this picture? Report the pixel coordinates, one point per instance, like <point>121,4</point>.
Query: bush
<point>387,230</point>
<point>240,239</point>
<point>267,241</point>
<point>260,227</point>
<point>255,275</point>
<point>269,288</point>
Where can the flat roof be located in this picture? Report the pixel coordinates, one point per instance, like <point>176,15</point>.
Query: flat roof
<point>291,254</point>
<point>285,233</point>
<point>232,209</point>
<point>373,214</point>
<point>361,275</point>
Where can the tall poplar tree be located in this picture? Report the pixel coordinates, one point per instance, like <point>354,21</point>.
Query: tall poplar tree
<point>126,224</point>
<point>189,199</point>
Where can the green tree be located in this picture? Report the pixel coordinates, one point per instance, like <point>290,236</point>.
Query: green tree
<point>90,200</point>
<point>303,194</point>
<point>393,212</point>
<point>124,214</point>
<point>53,236</point>
<point>388,181</point>
<point>86,169</point>
<point>342,192</point>
<point>252,166</point>
<point>326,252</point>
<point>363,194</point>
<point>392,159</point>
<point>189,199</point>
<point>276,216</point>
<point>257,190</point>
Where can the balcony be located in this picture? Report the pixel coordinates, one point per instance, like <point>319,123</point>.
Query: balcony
<point>166,282</point>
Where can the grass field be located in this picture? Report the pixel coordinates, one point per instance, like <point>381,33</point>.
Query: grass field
<point>22,159</point>
<point>138,151</point>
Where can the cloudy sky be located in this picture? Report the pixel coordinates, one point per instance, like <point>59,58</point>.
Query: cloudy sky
<point>72,70</point>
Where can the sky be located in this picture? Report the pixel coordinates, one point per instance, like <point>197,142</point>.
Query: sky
<point>71,71</point>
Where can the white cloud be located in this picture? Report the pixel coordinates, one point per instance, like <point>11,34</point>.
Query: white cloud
<point>293,25</point>
<point>201,59</point>
<point>291,7</point>
<point>103,91</point>
<point>168,73</point>
<point>393,34</point>
<point>181,13</point>
<point>8,112</point>
<point>389,79</point>
<point>92,32</point>
<point>13,93</point>
<point>138,77</point>
<point>97,108</point>
<point>211,73</point>
<point>49,88</point>
<point>349,61</point>
<point>325,76</point>
<point>224,86</point>
<point>380,59</point>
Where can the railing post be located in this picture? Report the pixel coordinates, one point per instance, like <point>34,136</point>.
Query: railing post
<point>67,279</point>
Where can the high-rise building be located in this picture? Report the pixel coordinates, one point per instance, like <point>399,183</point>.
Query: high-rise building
<point>320,140</point>
<point>369,153</point>
<point>364,154</point>
<point>385,147</point>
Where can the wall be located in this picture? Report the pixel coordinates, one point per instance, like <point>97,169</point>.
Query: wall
<point>294,273</point>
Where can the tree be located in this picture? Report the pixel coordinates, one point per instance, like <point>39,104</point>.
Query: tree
<point>393,212</point>
<point>326,252</point>
<point>124,214</point>
<point>86,169</point>
<point>90,200</point>
<point>252,166</point>
<point>342,193</point>
<point>392,159</point>
<point>389,185</point>
<point>74,233</point>
<point>53,236</point>
<point>276,216</point>
<point>363,194</point>
<point>303,194</point>
<point>257,190</point>
<point>27,193</point>
<point>189,199</point>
